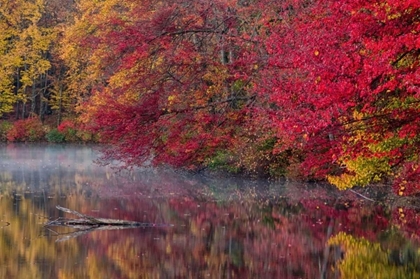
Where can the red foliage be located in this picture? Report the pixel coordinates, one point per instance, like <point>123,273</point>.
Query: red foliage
<point>407,219</point>
<point>26,130</point>
<point>66,125</point>
<point>330,59</point>
<point>191,84</point>
<point>190,79</point>
<point>407,181</point>
<point>70,130</point>
<point>349,216</point>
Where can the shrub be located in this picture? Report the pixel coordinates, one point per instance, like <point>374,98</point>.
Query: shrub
<point>87,136</point>
<point>55,136</point>
<point>66,125</point>
<point>223,161</point>
<point>26,130</point>
<point>68,129</point>
<point>5,126</point>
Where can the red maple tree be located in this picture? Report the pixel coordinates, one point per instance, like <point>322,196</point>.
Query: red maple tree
<point>344,79</point>
<point>178,80</point>
<point>333,83</point>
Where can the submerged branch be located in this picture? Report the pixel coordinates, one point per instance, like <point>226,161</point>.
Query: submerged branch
<point>82,230</point>
<point>369,199</point>
<point>85,224</point>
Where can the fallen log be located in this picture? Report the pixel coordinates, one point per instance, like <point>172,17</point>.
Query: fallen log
<point>85,224</point>
<point>89,221</point>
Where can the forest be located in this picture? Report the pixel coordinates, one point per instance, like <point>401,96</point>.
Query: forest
<point>306,89</point>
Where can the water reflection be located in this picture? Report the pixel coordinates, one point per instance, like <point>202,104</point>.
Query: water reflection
<point>223,228</point>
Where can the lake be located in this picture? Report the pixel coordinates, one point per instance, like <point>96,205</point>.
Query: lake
<point>193,225</point>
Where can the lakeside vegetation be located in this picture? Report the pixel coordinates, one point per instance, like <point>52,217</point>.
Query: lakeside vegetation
<point>312,90</point>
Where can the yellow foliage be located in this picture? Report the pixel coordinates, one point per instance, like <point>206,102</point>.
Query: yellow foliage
<point>86,67</point>
<point>362,171</point>
<point>374,164</point>
<point>364,259</point>
<point>358,115</point>
<point>23,46</point>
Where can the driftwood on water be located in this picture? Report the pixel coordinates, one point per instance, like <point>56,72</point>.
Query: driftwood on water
<point>85,224</point>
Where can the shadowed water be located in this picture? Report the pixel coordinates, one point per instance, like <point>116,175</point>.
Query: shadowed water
<point>220,227</point>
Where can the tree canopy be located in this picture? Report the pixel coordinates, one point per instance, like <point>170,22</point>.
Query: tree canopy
<point>312,89</point>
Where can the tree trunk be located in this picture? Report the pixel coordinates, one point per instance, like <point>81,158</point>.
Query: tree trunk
<point>33,96</point>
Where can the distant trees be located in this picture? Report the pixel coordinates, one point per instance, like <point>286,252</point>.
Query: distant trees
<point>24,51</point>
<point>30,31</point>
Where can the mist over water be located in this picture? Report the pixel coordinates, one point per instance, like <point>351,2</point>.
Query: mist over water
<point>223,227</point>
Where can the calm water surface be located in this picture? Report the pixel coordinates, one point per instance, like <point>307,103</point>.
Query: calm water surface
<point>221,227</point>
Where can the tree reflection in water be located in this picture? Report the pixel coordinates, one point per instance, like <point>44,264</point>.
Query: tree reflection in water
<point>223,228</point>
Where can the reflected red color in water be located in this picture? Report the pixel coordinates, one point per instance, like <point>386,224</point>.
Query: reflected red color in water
<point>222,228</point>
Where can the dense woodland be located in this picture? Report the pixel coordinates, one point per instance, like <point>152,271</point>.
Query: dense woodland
<point>312,89</point>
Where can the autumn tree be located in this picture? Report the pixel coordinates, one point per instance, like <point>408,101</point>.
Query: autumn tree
<point>7,96</point>
<point>343,82</point>
<point>25,45</point>
<point>58,15</point>
<point>168,81</point>
<point>251,84</point>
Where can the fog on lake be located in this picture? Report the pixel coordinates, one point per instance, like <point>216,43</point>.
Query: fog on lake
<point>198,225</point>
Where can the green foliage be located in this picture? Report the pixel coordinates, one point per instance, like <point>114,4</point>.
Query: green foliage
<point>268,144</point>
<point>86,136</point>
<point>256,159</point>
<point>72,132</point>
<point>260,159</point>
<point>71,135</point>
<point>5,126</point>
<point>55,136</point>
<point>223,161</point>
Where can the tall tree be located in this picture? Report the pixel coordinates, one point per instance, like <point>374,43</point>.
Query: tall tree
<point>25,45</point>
<point>58,15</point>
<point>7,96</point>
